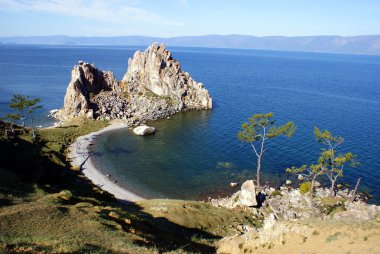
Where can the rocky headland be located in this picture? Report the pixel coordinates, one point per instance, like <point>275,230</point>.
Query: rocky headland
<point>153,87</point>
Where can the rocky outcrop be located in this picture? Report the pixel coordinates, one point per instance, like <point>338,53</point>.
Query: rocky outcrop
<point>86,82</point>
<point>156,72</point>
<point>154,87</point>
<point>247,194</point>
<point>289,203</point>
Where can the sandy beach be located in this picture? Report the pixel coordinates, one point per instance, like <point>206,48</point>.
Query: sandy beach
<point>79,154</point>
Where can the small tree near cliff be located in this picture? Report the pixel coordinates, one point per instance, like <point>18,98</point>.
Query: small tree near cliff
<point>309,173</point>
<point>329,163</point>
<point>332,163</point>
<point>25,105</point>
<point>9,122</point>
<point>19,103</point>
<point>257,130</point>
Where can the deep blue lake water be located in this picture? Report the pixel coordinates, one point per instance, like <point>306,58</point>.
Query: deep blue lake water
<point>197,153</point>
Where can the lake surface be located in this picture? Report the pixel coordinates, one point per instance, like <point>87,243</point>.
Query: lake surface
<point>197,153</point>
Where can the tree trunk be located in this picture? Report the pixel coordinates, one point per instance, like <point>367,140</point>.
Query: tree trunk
<point>332,189</point>
<point>258,172</point>
<point>311,193</point>
<point>33,133</point>
<point>353,194</point>
<point>311,196</point>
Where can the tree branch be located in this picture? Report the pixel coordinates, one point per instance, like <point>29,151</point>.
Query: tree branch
<point>254,149</point>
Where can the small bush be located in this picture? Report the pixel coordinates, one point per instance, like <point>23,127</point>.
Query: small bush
<point>335,210</point>
<point>65,195</point>
<point>305,187</point>
<point>276,193</point>
<point>91,95</point>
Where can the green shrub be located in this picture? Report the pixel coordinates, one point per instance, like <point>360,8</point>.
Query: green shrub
<point>335,210</point>
<point>276,193</point>
<point>65,195</point>
<point>305,187</point>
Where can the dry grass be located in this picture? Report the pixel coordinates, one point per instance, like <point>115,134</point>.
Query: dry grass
<point>309,236</point>
<point>47,208</point>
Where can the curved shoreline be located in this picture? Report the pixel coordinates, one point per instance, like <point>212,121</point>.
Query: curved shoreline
<point>80,156</point>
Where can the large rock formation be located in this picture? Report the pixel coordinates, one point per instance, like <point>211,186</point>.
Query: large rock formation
<point>153,87</point>
<point>155,71</point>
<point>86,82</point>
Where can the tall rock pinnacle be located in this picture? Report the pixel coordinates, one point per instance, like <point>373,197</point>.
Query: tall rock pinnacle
<point>154,87</point>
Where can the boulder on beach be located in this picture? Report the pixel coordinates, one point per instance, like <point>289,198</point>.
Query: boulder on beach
<point>247,194</point>
<point>144,130</point>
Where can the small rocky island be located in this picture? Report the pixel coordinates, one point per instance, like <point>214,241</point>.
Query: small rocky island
<point>154,87</point>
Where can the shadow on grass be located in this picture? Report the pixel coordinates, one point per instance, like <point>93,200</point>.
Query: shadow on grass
<point>163,234</point>
<point>35,167</point>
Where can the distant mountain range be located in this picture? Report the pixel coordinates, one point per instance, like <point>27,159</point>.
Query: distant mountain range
<point>363,44</point>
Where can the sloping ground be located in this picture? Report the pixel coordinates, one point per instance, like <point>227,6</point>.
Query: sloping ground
<point>47,208</point>
<point>46,226</point>
<point>308,236</point>
<point>62,223</point>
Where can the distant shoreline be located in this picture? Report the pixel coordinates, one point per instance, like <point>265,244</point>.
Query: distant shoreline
<point>358,44</point>
<point>79,154</point>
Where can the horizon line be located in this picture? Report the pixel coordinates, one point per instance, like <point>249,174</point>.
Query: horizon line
<point>204,35</point>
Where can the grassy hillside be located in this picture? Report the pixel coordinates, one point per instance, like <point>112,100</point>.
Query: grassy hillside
<point>46,207</point>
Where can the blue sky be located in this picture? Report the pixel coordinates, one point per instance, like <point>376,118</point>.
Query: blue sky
<point>168,18</point>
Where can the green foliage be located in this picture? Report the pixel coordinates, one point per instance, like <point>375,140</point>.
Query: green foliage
<point>23,104</point>
<point>329,163</point>
<point>326,137</point>
<point>276,193</point>
<point>305,187</point>
<point>332,163</point>
<point>91,95</point>
<point>12,118</point>
<point>258,129</point>
<point>261,126</point>
<point>57,139</point>
<point>336,209</point>
<point>126,95</point>
<point>9,121</point>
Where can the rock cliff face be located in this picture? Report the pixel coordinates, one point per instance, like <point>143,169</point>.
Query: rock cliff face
<point>153,87</point>
<point>86,82</point>
<point>157,72</point>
